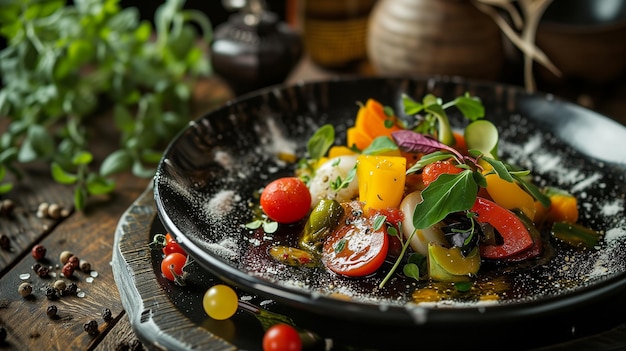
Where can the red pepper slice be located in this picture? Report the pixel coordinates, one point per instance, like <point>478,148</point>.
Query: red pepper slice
<point>515,236</point>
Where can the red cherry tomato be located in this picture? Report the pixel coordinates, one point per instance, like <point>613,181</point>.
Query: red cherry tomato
<point>173,265</point>
<point>282,337</point>
<point>286,200</point>
<point>171,246</point>
<point>431,171</point>
<point>356,249</point>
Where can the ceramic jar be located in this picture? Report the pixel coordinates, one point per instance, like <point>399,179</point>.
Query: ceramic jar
<point>254,50</point>
<point>434,37</point>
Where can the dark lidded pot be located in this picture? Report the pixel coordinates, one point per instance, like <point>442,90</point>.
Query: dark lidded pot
<point>254,50</point>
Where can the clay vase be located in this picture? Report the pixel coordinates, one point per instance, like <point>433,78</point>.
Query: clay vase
<point>434,37</point>
<point>254,50</point>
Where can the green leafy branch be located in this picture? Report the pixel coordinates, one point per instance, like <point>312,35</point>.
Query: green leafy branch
<point>64,62</point>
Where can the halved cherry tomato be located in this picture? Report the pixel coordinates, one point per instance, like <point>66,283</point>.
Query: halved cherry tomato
<point>394,217</point>
<point>282,337</point>
<point>431,171</point>
<point>172,265</point>
<point>171,245</point>
<point>356,249</point>
<point>286,200</point>
<point>515,236</point>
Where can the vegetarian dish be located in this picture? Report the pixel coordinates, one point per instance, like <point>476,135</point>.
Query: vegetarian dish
<point>407,195</point>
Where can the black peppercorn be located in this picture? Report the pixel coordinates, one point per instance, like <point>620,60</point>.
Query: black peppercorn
<point>5,242</point>
<point>107,316</point>
<point>51,311</point>
<point>51,293</point>
<point>71,289</point>
<point>43,271</point>
<point>91,327</point>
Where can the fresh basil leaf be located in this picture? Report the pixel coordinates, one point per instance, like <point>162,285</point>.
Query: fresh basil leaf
<point>533,190</point>
<point>411,107</point>
<point>380,145</point>
<point>449,193</point>
<point>480,179</point>
<point>411,270</point>
<point>471,107</point>
<point>498,167</point>
<point>321,141</point>
<point>428,159</point>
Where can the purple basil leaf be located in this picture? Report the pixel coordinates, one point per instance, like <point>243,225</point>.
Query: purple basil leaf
<point>410,141</point>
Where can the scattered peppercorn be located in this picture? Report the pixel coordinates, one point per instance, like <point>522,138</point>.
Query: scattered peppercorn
<point>43,271</point>
<point>36,267</point>
<point>74,261</point>
<point>38,252</point>
<point>85,266</point>
<point>42,210</point>
<point>25,289</point>
<point>3,334</point>
<point>107,316</point>
<point>54,211</point>
<point>51,311</point>
<point>59,285</point>
<point>6,207</point>
<point>91,327</point>
<point>65,256</point>
<point>68,269</point>
<point>5,242</point>
<point>51,293</point>
<point>71,289</point>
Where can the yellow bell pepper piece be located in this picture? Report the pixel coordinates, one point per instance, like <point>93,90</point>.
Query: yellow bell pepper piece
<point>563,208</point>
<point>381,180</point>
<point>509,194</point>
<point>339,150</point>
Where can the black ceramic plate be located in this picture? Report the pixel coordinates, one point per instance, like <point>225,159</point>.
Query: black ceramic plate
<point>209,176</point>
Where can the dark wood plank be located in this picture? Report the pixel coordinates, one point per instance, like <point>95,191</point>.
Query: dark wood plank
<point>89,236</point>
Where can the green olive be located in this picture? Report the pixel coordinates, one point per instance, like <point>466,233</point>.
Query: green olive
<point>321,222</point>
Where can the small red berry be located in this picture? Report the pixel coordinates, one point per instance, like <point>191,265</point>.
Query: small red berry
<point>74,261</point>
<point>68,270</point>
<point>38,252</point>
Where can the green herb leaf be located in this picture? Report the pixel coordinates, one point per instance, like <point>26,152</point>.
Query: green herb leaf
<point>82,158</point>
<point>61,176</point>
<point>411,270</point>
<point>447,194</point>
<point>471,107</point>
<point>533,190</point>
<point>116,162</point>
<point>97,185</point>
<point>321,141</point>
<point>380,145</point>
<point>270,227</point>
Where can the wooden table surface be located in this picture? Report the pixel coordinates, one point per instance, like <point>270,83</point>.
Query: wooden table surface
<point>90,236</point>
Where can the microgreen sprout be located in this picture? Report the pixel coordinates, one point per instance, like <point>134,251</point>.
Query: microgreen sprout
<point>269,226</point>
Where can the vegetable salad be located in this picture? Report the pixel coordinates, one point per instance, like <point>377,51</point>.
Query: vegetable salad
<point>406,188</point>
